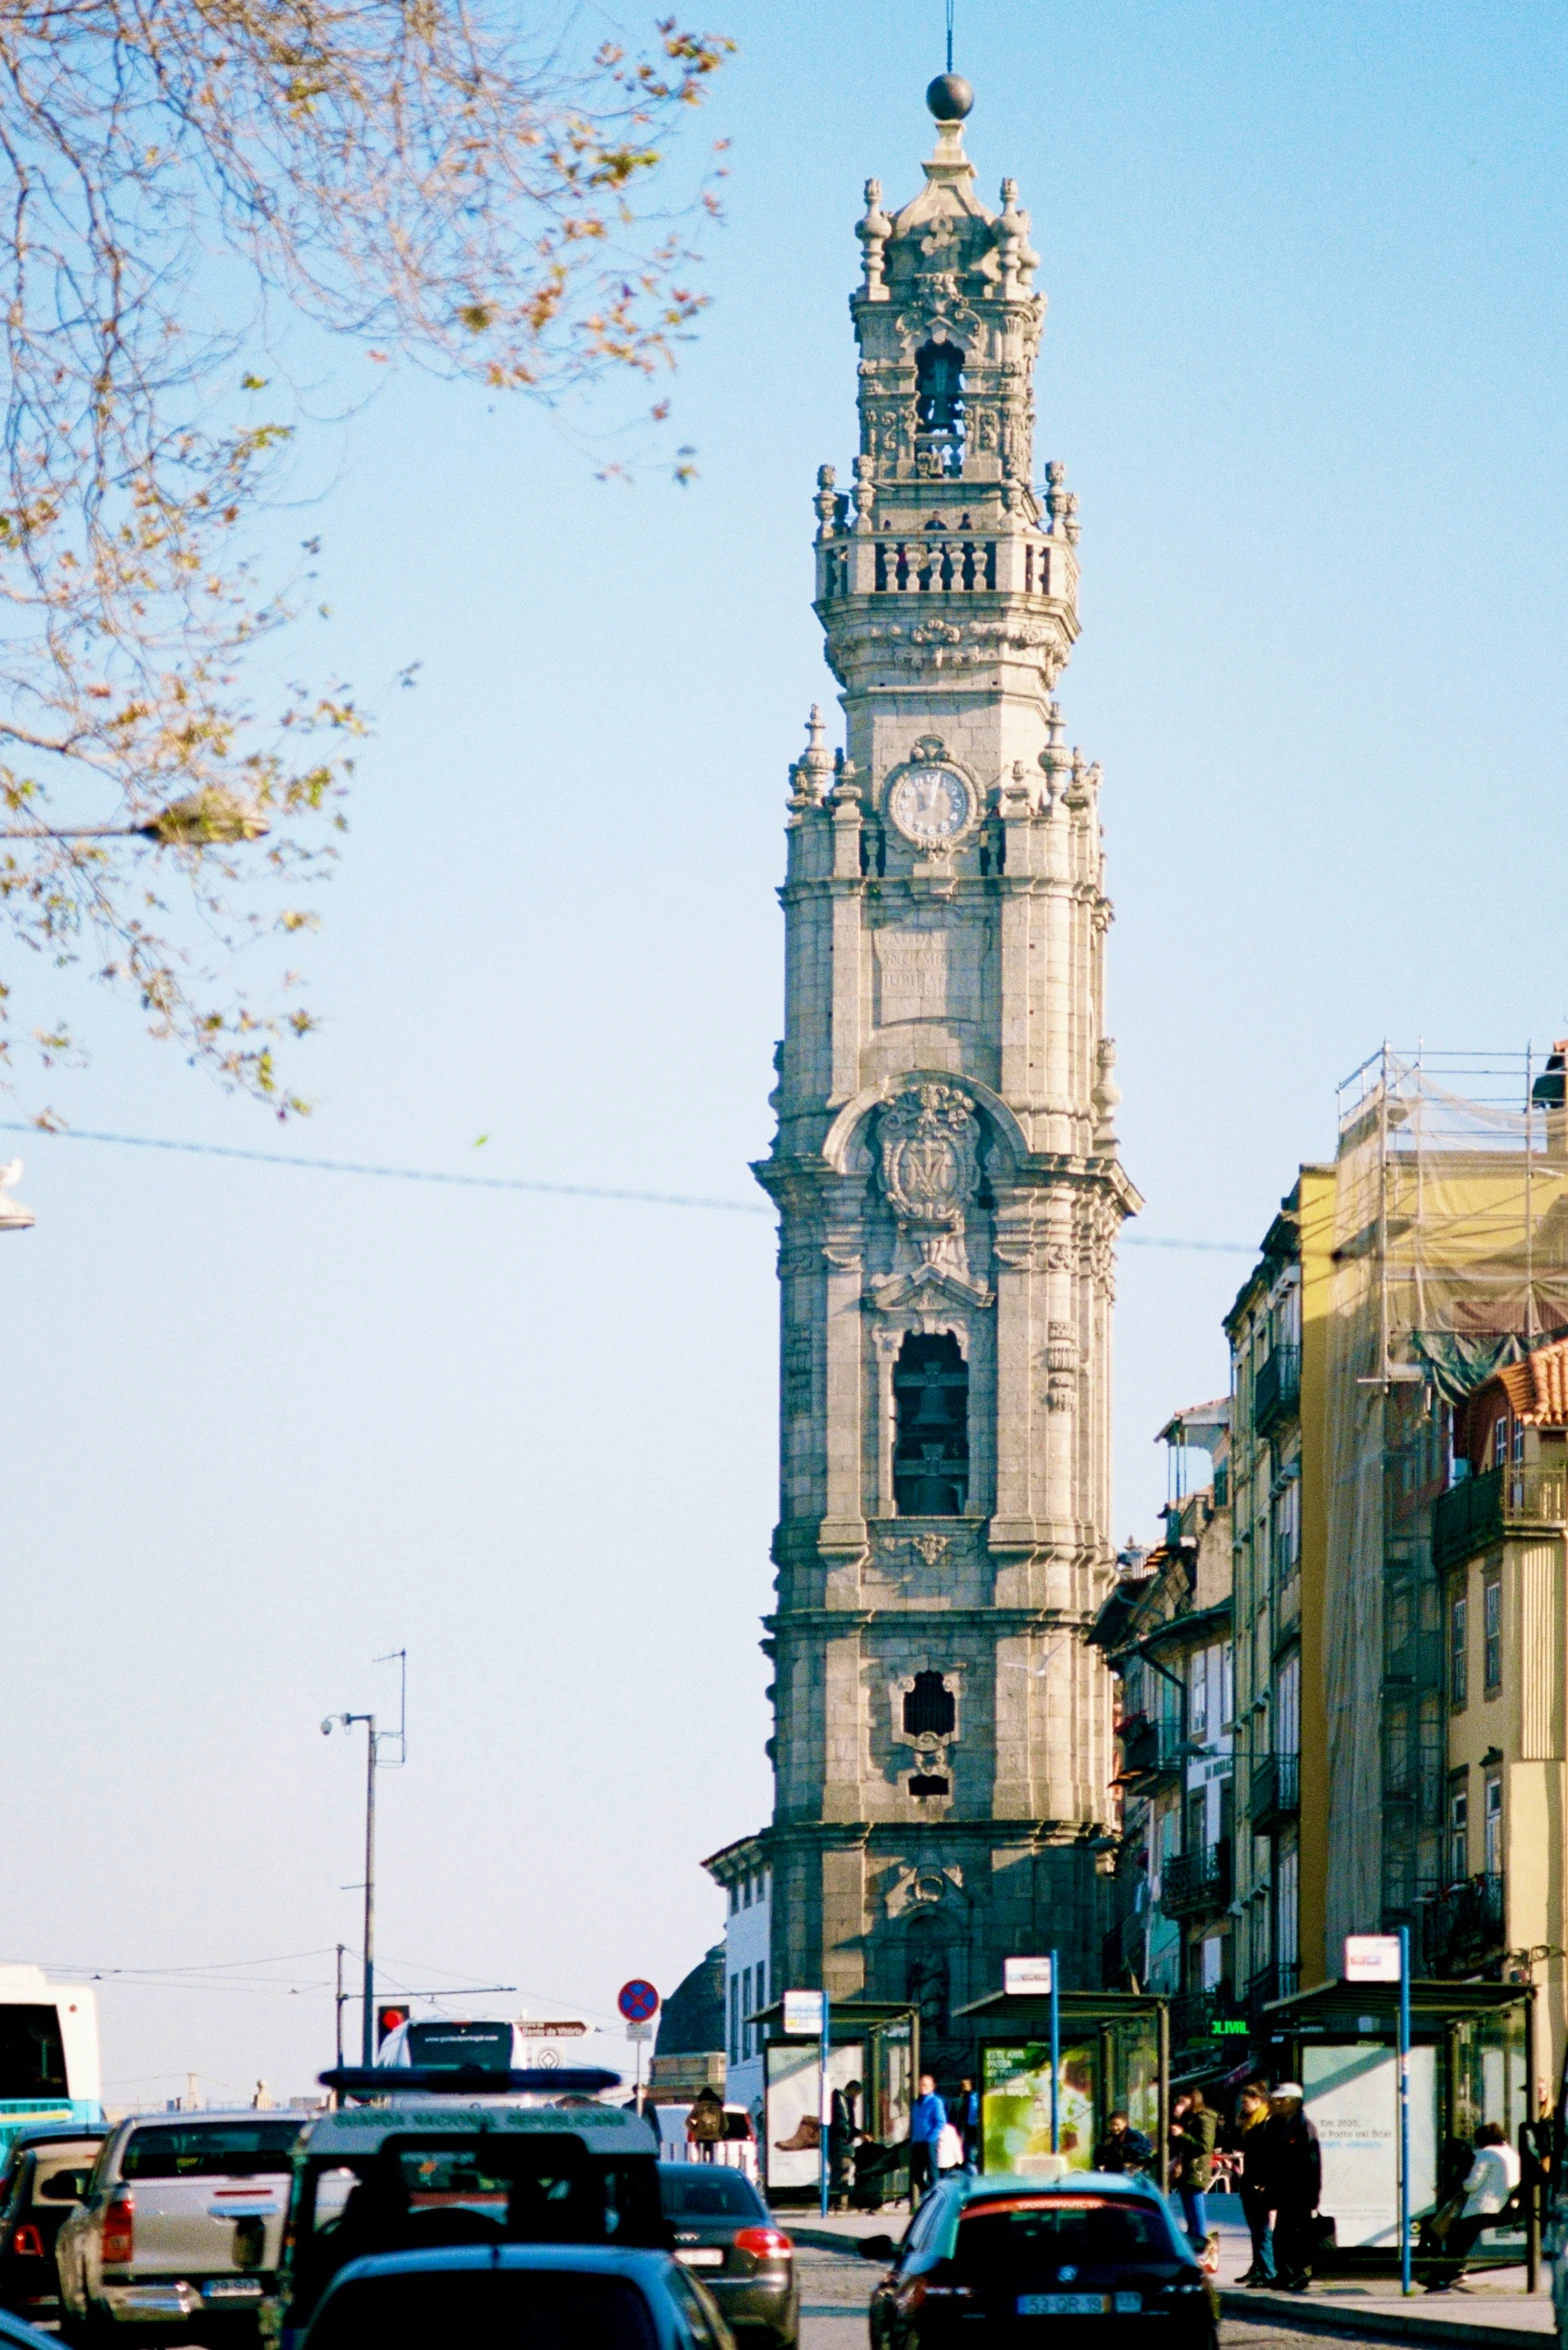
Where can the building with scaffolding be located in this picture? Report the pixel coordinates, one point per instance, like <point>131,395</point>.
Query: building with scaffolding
<point>1427,1258</point>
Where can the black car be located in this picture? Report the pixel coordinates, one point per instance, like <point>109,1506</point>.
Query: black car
<point>727,2235</point>
<point>1090,2258</point>
<point>45,2177</point>
<point>550,2296</point>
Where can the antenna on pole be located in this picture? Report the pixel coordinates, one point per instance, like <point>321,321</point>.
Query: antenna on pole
<point>949,35</point>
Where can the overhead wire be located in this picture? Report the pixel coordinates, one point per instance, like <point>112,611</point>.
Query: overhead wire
<point>518,1183</point>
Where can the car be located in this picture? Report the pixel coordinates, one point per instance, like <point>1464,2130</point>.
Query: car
<point>17,2334</point>
<point>180,2227</point>
<point>1084,2259</point>
<point>46,2174</point>
<point>552,2296</point>
<point>725,2231</point>
<point>392,2179</point>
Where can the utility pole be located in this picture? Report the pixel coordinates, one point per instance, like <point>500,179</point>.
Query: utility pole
<point>373,1741</point>
<point>339,1998</point>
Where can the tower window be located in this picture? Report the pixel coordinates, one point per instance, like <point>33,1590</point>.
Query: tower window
<point>931,1446</point>
<point>939,402</point>
<point>929,1710</point>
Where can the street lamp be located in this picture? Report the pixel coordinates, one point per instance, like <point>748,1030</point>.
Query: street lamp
<point>373,1742</point>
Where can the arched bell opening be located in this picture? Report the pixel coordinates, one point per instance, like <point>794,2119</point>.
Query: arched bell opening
<point>939,402</point>
<point>931,1444</point>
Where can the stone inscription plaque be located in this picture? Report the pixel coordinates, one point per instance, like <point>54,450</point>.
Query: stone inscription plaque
<point>926,975</point>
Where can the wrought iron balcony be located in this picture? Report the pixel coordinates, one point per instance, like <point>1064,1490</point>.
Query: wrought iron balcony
<point>1151,1746</point>
<point>1276,1391</point>
<point>1479,1511</point>
<point>1279,1981</point>
<point>1464,1927</point>
<point>1193,1882</point>
<point>1275,1791</point>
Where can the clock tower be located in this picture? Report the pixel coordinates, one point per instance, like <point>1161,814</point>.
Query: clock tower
<point>945,1169</point>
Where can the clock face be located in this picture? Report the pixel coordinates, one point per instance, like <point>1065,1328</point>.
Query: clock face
<point>929,804</point>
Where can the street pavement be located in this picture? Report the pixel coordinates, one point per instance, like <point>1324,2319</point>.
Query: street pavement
<point>836,2283</point>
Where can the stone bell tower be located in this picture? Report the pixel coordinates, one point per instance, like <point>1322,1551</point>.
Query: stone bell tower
<point>945,1169</point>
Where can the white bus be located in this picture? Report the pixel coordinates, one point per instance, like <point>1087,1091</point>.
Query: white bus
<point>49,2069</point>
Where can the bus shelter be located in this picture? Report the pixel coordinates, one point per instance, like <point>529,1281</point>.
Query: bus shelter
<point>871,2042</point>
<point>1115,2058</point>
<point>1472,2060</point>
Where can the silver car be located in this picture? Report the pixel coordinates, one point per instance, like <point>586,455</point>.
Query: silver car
<point>181,2227</point>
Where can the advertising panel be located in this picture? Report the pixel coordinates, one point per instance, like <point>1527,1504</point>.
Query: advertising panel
<point>793,2153</point>
<point>1352,2100</point>
<point>1015,2088</point>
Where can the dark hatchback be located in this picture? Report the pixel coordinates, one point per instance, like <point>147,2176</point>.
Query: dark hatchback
<point>1089,2259</point>
<point>45,2177</point>
<point>726,2235</point>
<point>549,2297</point>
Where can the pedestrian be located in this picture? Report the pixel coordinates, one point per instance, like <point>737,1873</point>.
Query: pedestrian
<point>964,2113</point>
<point>1194,2131</point>
<point>1489,2185</point>
<point>926,2124</point>
<point>1293,2178</point>
<point>1248,2143</point>
<point>843,2131</point>
<point>1123,2150</point>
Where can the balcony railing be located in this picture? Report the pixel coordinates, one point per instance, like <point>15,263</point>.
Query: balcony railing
<point>1149,1746</point>
<point>1478,1511</point>
<point>1275,1791</point>
<point>1280,1981</point>
<point>1192,1882</point>
<point>1276,1391</point>
<point>1464,1927</point>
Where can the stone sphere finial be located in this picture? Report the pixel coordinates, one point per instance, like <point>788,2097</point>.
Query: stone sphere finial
<point>950,98</point>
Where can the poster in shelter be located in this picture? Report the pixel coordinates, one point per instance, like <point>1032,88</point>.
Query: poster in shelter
<point>1352,2100</point>
<point>1016,2110</point>
<point>793,2134</point>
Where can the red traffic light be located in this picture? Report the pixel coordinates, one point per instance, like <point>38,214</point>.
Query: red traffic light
<point>388,2019</point>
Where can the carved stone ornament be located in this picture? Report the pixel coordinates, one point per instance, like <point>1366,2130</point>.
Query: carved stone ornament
<point>1061,1364</point>
<point>930,1160</point>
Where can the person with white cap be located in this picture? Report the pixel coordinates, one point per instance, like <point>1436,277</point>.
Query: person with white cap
<point>1293,2172</point>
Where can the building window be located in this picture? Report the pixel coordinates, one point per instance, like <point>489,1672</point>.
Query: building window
<point>931,1444</point>
<point>1287,1705</point>
<point>760,2001</point>
<point>1500,1440</point>
<point>1198,1695</point>
<point>745,2015</point>
<point>734,2019</point>
<point>1458,1835</point>
<point>1492,1824</point>
<point>1458,1656</point>
<point>929,1708</point>
<point>734,1891</point>
<point>1287,1922</point>
<point>1492,1633</point>
<point>1286,1539</point>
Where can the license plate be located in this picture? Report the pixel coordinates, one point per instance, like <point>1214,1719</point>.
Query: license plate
<point>232,2289</point>
<point>713,2259</point>
<point>1063,2304</point>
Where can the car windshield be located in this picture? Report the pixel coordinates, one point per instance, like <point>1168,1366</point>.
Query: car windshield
<point>486,2309</point>
<point>211,2150</point>
<point>700,2190</point>
<point>489,2045</point>
<point>1005,2239</point>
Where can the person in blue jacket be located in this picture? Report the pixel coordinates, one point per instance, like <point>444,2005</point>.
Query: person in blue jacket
<point>926,2124</point>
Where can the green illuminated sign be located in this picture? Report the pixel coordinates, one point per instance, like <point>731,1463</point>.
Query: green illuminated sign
<point>1228,2028</point>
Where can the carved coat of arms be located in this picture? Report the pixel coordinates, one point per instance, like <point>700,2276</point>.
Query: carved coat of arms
<point>930,1158</point>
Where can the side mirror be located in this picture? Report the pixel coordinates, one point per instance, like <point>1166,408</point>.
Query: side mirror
<point>880,2248</point>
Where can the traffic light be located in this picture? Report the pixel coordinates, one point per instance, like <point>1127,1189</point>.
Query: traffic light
<point>387,2020</point>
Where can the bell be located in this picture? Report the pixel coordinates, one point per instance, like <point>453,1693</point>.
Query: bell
<point>932,1409</point>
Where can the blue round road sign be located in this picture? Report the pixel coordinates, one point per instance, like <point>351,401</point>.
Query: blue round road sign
<point>637,2000</point>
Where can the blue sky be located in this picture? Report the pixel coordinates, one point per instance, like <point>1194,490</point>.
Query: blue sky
<point>1303,360</point>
